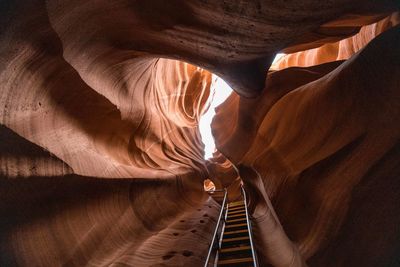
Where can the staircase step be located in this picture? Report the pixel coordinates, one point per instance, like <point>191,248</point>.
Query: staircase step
<point>244,231</point>
<point>235,249</point>
<point>233,261</point>
<point>238,225</point>
<point>235,239</point>
<point>237,203</point>
<point>236,208</point>
<point>235,244</point>
<point>238,253</point>
<point>230,216</point>
<point>235,215</point>
<point>236,220</point>
<point>238,233</point>
<point>241,211</point>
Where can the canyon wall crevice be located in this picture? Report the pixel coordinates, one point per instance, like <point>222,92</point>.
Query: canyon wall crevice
<point>313,146</point>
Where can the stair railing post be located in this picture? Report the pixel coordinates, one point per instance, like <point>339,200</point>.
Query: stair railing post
<point>215,240</point>
<point>253,252</point>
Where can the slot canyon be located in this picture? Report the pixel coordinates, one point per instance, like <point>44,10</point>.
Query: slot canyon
<point>101,158</point>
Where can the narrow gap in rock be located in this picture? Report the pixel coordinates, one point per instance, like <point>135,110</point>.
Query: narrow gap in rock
<point>220,91</point>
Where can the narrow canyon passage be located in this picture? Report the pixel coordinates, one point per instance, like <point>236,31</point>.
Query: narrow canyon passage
<point>102,161</point>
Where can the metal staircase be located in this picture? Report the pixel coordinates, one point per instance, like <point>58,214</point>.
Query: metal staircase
<point>232,243</point>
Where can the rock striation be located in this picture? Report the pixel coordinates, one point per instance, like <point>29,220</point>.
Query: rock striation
<point>321,154</point>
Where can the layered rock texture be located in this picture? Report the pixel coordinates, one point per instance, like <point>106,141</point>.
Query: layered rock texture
<point>101,159</point>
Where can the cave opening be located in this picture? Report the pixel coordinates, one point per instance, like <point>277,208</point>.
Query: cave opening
<point>209,185</point>
<point>220,91</point>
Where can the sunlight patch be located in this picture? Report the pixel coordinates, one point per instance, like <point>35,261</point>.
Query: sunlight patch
<point>221,91</point>
<point>277,57</point>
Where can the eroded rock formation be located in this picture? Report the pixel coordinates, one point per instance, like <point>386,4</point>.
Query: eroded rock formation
<point>320,139</point>
<point>101,157</point>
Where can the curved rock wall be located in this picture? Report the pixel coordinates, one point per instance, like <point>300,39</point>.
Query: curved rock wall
<point>341,50</point>
<point>71,116</point>
<point>318,142</point>
<point>106,114</point>
<point>72,220</point>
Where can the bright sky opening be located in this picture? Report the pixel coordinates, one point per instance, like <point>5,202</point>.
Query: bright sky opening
<point>277,57</point>
<point>221,92</point>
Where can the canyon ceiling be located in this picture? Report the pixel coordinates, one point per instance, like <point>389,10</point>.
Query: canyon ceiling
<point>101,158</point>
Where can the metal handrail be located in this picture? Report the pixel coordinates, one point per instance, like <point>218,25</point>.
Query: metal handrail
<point>216,230</point>
<point>249,228</point>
